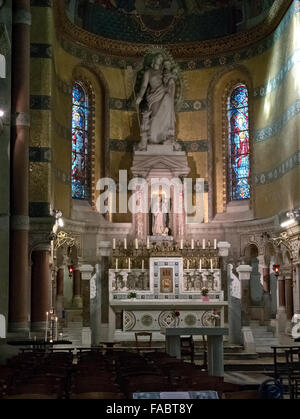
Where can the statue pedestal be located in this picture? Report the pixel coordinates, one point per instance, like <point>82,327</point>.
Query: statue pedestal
<point>160,160</point>
<point>159,239</point>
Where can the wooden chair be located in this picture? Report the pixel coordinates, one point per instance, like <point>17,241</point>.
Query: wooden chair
<point>187,347</point>
<point>140,343</point>
<point>293,369</point>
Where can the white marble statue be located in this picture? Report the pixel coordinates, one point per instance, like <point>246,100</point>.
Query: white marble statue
<point>157,92</point>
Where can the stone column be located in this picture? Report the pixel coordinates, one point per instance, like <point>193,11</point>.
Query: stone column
<point>40,278</point>
<point>95,306</point>
<point>296,281</point>
<point>19,281</point>
<point>86,274</point>
<point>281,318</point>
<point>244,272</point>
<point>266,294</point>
<point>77,299</point>
<point>289,294</point>
<point>60,290</point>
<point>108,320</point>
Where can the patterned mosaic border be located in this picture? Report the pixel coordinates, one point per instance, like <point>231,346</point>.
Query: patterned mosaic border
<point>184,106</point>
<point>274,174</point>
<point>192,64</point>
<point>276,127</point>
<point>273,84</point>
<point>188,146</point>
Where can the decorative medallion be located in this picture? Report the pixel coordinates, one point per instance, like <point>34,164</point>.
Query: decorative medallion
<point>129,320</point>
<point>166,319</point>
<point>147,320</point>
<point>190,320</point>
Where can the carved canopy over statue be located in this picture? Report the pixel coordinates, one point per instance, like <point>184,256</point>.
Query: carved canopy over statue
<point>158,88</point>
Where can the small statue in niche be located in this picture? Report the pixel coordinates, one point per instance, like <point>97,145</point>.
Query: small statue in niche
<point>131,281</point>
<point>189,282</point>
<point>119,282</point>
<point>143,281</point>
<point>198,281</point>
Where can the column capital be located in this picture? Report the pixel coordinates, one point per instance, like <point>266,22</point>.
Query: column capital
<point>244,272</point>
<point>104,248</point>
<point>42,247</point>
<point>223,248</point>
<point>86,272</point>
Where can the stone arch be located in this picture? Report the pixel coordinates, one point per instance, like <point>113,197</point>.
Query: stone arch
<point>218,91</point>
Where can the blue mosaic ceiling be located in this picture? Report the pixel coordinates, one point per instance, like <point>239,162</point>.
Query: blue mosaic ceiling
<point>165,21</point>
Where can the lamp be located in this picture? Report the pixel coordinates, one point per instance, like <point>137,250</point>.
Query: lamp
<point>276,269</point>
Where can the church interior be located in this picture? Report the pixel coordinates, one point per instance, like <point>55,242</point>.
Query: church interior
<point>150,199</point>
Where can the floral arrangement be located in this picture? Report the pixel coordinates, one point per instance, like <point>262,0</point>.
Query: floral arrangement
<point>176,315</point>
<point>131,295</point>
<point>214,317</point>
<point>204,292</point>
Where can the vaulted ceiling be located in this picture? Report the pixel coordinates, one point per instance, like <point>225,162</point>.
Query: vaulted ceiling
<point>167,21</point>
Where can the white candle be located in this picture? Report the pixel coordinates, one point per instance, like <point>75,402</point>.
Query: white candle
<point>188,264</point>
<point>181,244</point>
<point>215,243</point>
<point>129,264</point>
<point>192,244</point>
<point>46,330</point>
<point>114,244</point>
<point>143,265</point>
<point>125,244</point>
<point>200,264</point>
<point>203,244</point>
<point>136,244</point>
<point>116,264</point>
<point>148,243</point>
<point>211,264</point>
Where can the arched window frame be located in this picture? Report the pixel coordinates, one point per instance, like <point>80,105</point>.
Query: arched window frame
<point>244,154</point>
<point>82,190</point>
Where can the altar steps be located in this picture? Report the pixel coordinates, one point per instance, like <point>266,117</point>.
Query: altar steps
<point>263,337</point>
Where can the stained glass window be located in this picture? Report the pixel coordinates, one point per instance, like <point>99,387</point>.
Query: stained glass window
<point>239,162</point>
<point>80,143</point>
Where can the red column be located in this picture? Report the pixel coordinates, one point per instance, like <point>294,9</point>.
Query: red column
<point>40,286</point>
<point>60,290</point>
<point>77,300</point>
<point>19,281</point>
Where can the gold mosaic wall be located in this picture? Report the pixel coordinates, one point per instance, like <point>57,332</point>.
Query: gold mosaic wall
<point>196,124</point>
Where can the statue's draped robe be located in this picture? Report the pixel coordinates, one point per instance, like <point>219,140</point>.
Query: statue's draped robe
<point>162,117</point>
